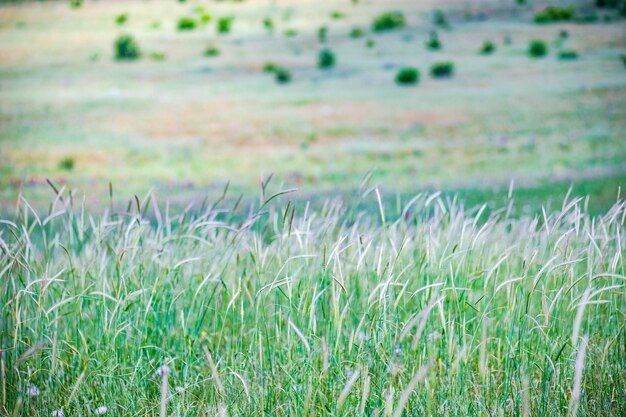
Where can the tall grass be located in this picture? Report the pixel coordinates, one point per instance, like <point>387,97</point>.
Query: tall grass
<point>429,308</point>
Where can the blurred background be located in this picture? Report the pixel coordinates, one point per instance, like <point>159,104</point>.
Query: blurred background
<point>183,97</point>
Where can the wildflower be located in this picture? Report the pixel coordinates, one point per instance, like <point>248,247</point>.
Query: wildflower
<point>101,410</point>
<point>397,350</point>
<point>362,336</point>
<point>33,391</point>
<point>180,390</point>
<point>58,413</point>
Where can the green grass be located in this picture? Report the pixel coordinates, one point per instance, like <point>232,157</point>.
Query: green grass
<point>279,308</point>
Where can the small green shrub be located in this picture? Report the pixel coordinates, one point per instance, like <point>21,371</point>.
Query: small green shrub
<point>407,76</point>
<point>158,56</point>
<point>224,24</point>
<point>186,23</point>
<point>568,55</point>
<point>291,33</point>
<point>442,70</point>
<point>282,75</point>
<point>121,19</point>
<point>66,164</point>
<point>211,51</point>
<point>537,48</point>
<point>268,24</point>
<point>322,34</point>
<point>388,21</point>
<point>126,48</point>
<point>623,57</point>
<point>336,15</point>
<point>370,43</point>
<point>205,18</point>
<point>440,19</point>
<point>326,59</point>
<point>357,32</point>
<point>433,43</point>
<point>554,14</point>
<point>75,4</point>
<point>270,67</point>
<point>563,34</point>
<point>488,48</point>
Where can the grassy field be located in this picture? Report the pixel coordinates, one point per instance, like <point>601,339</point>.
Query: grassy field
<point>278,309</point>
<point>181,235</point>
<point>188,124</point>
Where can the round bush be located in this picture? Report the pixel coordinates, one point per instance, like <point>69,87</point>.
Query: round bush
<point>326,59</point>
<point>357,32</point>
<point>211,51</point>
<point>186,23</point>
<point>282,75</point>
<point>121,19</point>
<point>224,24</point>
<point>442,70</point>
<point>433,43</point>
<point>537,48</point>
<point>488,48</point>
<point>388,21</point>
<point>126,48</point>
<point>407,76</point>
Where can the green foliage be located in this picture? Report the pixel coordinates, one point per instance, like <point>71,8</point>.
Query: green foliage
<point>66,164</point>
<point>126,48</point>
<point>322,34</point>
<point>442,69</point>
<point>488,48</point>
<point>326,59</point>
<point>336,15</point>
<point>568,55</point>
<point>158,56</point>
<point>121,19</point>
<point>388,21</point>
<point>407,76</point>
<point>440,19</point>
<point>623,58</point>
<point>186,23</point>
<point>211,51</point>
<point>433,43</point>
<point>270,67</point>
<point>370,43</point>
<point>268,24</point>
<point>75,4</point>
<point>537,48</point>
<point>224,24</point>
<point>357,32</point>
<point>282,75</point>
<point>554,14</point>
<point>291,33</point>
<point>205,18</point>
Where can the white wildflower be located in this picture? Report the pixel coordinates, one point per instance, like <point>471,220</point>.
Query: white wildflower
<point>101,410</point>
<point>58,413</point>
<point>33,391</point>
<point>162,370</point>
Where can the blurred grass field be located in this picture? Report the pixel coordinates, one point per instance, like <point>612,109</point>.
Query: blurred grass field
<point>189,124</point>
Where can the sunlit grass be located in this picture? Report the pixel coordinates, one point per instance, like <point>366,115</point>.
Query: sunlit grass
<point>431,308</point>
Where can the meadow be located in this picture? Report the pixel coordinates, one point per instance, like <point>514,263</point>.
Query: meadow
<point>277,309</point>
<point>304,208</point>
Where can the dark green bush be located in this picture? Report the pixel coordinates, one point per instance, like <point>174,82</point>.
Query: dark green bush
<point>388,21</point>
<point>537,48</point>
<point>66,164</point>
<point>433,43</point>
<point>326,59</point>
<point>224,24</point>
<point>554,14</point>
<point>442,70</point>
<point>623,57</point>
<point>440,19</point>
<point>186,23</point>
<point>282,75</point>
<point>121,19</point>
<point>126,48</point>
<point>488,48</point>
<point>357,32</point>
<point>407,76</point>
<point>568,55</point>
<point>322,34</point>
<point>211,51</point>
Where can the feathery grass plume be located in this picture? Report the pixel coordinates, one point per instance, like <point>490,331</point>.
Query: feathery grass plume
<point>419,376</point>
<point>574,402</point>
